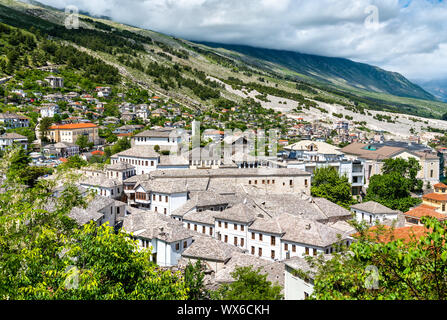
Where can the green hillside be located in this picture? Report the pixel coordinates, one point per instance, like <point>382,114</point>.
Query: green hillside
<point>122,55</point>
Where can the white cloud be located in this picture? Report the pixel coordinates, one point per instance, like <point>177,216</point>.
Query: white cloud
<point>409,38</point>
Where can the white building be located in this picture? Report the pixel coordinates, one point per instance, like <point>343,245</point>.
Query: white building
<point>165,237</point>
<point>11,121</point>
<point>49,111</point>
<point>162,138</point>
<point>9,139</point>
<point>373,212</point>
<point>143,158</point>
<point>110,188</point>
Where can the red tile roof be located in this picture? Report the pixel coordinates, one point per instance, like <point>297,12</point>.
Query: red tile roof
<point>98,152</point>
<point>436,196</point>
<point>440,185</point>
<point>73,126</point>
<point>425,211</point>
<point>405,234</point>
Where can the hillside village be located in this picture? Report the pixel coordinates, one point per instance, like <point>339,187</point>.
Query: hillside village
<point>230,181</point>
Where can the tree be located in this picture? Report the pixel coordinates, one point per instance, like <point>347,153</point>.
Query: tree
<point>44,127</point>
<point>406,168</point>
<point>83,142</point>
<point>46,255</point>
<point>328,184</point>
<point>406,270</point>
<point>393,188</point>
<point>249,284</point>
<point>194,281</point>
<point>74,162</point>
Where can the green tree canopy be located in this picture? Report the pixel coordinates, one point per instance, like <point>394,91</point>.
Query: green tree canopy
<point>328,184</point>
<point>249,284</point>
<point>394,270</point>
<point>393,188</point>
<point>45,255</point>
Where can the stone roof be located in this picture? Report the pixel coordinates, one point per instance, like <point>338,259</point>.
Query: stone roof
<point>152,225</point>
<point>274,270</point>
<point>300,205</point>
<point>222,173</point>
<point>13,135</point>
<point>139,152</point>
<point>208,248</point>
<point>156,134</point>
<point>240,213</point>
<point>298,230</point>
<point>373,207</point>
<point>173,160</point>
<point>205,217</point>
<point>119,166</point>
<point>165,186</point>
<point>100,181</point>
<point>92,212</point>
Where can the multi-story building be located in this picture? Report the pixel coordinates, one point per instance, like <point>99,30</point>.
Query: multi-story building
<point>375,154</point>
<point>11,121</point>
<point>9,139</point>
<point>71,132</point>
<point>162,138</point>
<point>434,205</point>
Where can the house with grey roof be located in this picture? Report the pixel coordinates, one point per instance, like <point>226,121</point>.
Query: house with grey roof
<point>165,137</point>
<point>165,237</point>
<point>9,139</point>
<point>213,253</point>
<point>373,212</point>
<point>103,186</point>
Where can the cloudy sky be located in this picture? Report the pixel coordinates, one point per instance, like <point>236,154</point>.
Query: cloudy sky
<point>406,36</point>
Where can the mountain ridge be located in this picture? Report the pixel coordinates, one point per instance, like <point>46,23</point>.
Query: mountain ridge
<point>320,68</point>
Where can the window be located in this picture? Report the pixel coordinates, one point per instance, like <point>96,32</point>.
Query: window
<point>189,226</point>
<point>203,229</point>
<point>443,207</point>
<point>260,237</point>
<point>153,197</point>
<point>235,226</point>
<point>315,252</point>
<point>253,250</point>
<point>273,254</point>
<point>159,198</point>
<point>219,236</point>
<point>291,182</point>
<point>253,236</point>
<point>219,224</point>
<point>242,227</point>
<point>166,199</point>
<point>307,251</point>
<point>177,246</point>
<point>235,241</point>
<point>249,181</point>
<point>152,163</point>
<point>185,244</point>
<point>273,240</point>
<point>226,225</point>
<point>286,247</point>
<point>431,173</point>
<point>242,242</point>
<point>211,231</point>
<point>165,211</point>
<point>195,227</point>
<point>305,183</point>
<point>260,252</point>
<point>226,238</point>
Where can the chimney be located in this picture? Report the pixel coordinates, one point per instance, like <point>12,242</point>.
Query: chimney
<point>308,227</point>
